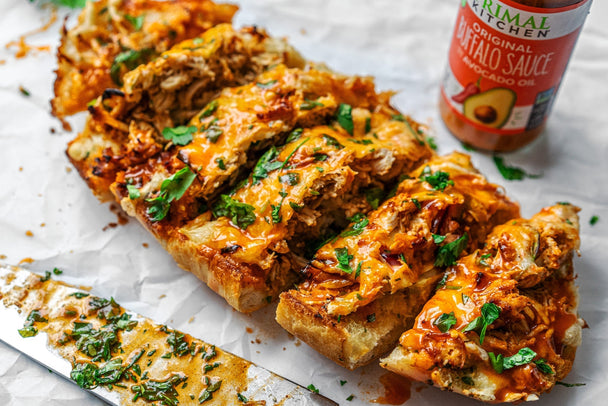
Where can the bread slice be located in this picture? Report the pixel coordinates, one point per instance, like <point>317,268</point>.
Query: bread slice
<point>387,264</point>
<point>504,327</point>
<point>112,37</point>
<point>125,125</point>
<point>320,179</point>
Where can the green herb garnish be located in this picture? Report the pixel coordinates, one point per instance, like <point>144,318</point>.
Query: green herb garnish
<point>332,142</point>
<point>136,22</point>
<point>359,222</point>
<point>345,117</point>
<point>266,164</point>
<point>374,197</point>
<point>209,109</point>
<point>241,214</point>
<point>181,135</point>
<point>489,314</point>
<point>172,188</point>
<point>448,253</point>
<point>593,220</point>
<point>445,322</point>
<point>266,85</point>
<point>438,180</point>
<point>501,363</point>
<point>312,388</point>
<point>511,172</point>
<point>344,259</point>
<point>310,104</point>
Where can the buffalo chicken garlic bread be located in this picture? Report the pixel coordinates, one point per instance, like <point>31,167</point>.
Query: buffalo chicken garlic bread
<point>324,140</point>
<point>238,160</point>
<point>503,325</point>
<point>112,37</point>
<point>126,126</point>
<point>366,285</point>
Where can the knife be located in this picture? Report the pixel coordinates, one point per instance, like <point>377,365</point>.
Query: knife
<point>124,358</point>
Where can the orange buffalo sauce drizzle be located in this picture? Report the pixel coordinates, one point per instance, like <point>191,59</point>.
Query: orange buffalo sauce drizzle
<point>24,49</point>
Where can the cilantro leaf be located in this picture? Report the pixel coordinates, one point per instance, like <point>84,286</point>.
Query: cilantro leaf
<point>543,367</point>
<point>312,388</point>
<point>445,322</point>
<point>276,210</point>
<point>449,253</point>
<point>310,104</point>
<point>501,363</point>
<point>266,85</point>
<point>374,196</point>
<point>489,314</point>
<point>209,109</point>
<point>134,192</point>
<point>593,220</point>
<point>344,259</point>
<point>266,164</point>
<point>438,239</point>
<point>129,59</point>
<point>172,188</point>
<point>181,135</point>
<point>136,22</point>
<point>331,141</point>
<point>359,223</point>
<point>511,172</point>
<point>345,117</point>
<point>241,214</point>
<point>438,180</point>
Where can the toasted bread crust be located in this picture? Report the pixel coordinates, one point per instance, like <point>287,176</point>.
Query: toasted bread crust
<point>360,337</point>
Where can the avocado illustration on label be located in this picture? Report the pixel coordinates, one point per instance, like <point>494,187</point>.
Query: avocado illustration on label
<point>491,108</point>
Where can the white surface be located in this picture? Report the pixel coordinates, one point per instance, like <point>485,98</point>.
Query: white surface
<point>404,44</point>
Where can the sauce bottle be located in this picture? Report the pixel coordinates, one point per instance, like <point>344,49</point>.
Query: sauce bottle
<point>505,65</point>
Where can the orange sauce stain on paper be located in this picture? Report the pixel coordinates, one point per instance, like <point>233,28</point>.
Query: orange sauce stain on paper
<point>397,389</point>
<point>24,49</point>
<point>27,260</point>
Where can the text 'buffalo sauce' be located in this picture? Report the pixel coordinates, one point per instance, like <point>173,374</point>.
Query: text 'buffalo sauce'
<point>505,65</point>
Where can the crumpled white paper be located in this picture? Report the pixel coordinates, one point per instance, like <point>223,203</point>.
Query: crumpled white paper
<point>404,45</point>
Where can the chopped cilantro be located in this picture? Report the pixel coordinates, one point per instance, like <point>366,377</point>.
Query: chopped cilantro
<point>467,380</point>
<point>57,271</point>
<point>24,91</point>
<point>266,85</point>
<point>371,317</point>
<point>213,131</point>
<point>438,239</point>
<point>320,157</point>
<point>368,124</point>
<point>220,163</point>
<point>310,104</point>
<point>294,135</point>
<point>276,210</point>
<point>134,192</point>
<point>465,298</point>
<point>172,188</point>
<point>241,397</point>
<point>438,180</point>
<point>350,398</point>
<point>359,222</point>
<point>129,59</point>
<point>163,391</point>
<point>543,367</point>
<point>342,383</point>
<point>431,142</point>
<point>511,172</point>
<point>489,314</point>
<point>332,142</point>
<point>344,259</point>
<point>593,220</point>
<point>79,295</point>
<point>209,109</point>
<point>312,388</point>
<point>445,322</point>
<point>266,164</point>
<point>374,197</point>
<point>448,253</point>
<point>290,178</point>
<point>442,281</point>
<point>136,22</point>
<point>501,363</point>
<point>241,214</point>
<point>416,203</point>
<point>181,135</point>
<point>345,117</point>
<point>295,206</point>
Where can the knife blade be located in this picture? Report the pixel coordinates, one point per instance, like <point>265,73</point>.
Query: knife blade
<point>67,331</point>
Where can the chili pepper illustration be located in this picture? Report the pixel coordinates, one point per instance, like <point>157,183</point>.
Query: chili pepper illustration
<point>469,90</point>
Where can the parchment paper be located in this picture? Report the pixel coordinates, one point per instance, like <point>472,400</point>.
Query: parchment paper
<point>403,43</point>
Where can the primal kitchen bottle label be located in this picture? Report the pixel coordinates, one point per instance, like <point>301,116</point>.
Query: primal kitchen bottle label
<point>506,62</point>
